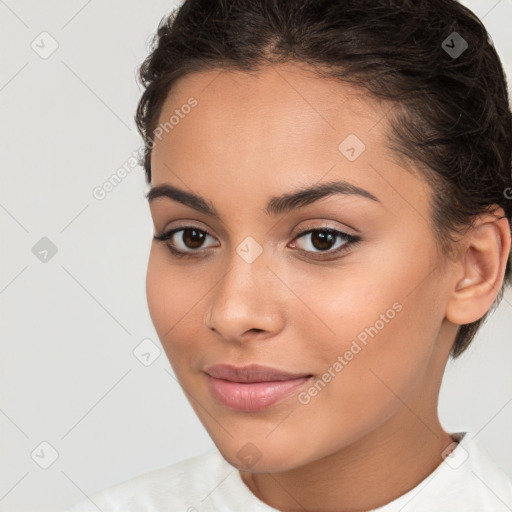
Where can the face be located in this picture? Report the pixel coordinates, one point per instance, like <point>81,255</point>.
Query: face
<point>340,293</point>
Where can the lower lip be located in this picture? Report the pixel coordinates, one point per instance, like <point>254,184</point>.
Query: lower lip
<point>253,396</point>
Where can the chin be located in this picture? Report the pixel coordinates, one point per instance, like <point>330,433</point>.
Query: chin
<point>269,463</point>
<point>262,455</point>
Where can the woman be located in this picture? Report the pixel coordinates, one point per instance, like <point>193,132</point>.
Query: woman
<point>331,196</point>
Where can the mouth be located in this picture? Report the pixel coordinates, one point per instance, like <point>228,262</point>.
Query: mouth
<point>251,373</point>
<point>253,387</point>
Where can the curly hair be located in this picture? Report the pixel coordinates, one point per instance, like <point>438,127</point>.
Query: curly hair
<point>451,114</point>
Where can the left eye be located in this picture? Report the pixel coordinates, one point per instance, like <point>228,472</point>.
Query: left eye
<point>323,239</point>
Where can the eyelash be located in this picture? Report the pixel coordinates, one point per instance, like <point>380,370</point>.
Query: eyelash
<point>351,241</point>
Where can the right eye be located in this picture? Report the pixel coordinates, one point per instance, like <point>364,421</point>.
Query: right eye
<point>191,238</point>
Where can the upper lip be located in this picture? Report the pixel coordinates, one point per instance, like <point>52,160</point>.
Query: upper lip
<point>250,373</point>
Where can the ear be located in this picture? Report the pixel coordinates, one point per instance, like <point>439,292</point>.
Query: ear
<point>481,268</point>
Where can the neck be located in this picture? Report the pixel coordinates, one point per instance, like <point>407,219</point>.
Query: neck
<point>373,471</point>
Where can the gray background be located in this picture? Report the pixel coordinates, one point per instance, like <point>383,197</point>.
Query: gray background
<point>69,325</point>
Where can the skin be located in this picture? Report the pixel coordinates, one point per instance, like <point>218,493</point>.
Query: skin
<point>373,432</point>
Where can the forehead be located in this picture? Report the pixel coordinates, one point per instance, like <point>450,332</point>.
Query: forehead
<point>287,98</point>
<point>280,127</point>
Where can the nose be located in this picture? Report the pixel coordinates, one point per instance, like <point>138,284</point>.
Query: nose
<point>247,301</point>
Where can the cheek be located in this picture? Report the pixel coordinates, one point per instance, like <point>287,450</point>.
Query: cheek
<point>176,305</point>
<point>159,293</point>
<point>167,296</point>
<point>381,363</point>
<point>374,328</point>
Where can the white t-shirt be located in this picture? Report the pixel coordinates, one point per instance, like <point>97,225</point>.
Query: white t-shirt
<point>466,481</point>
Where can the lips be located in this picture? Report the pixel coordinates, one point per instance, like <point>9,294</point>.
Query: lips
<point>253,387</point>
<point>251,373</point>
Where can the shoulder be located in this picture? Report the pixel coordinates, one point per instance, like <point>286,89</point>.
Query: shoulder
<point>174,487</point>
<point>490,485</point>
<point>467,479</point>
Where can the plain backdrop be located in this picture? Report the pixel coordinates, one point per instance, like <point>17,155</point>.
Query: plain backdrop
<point>73,395</point>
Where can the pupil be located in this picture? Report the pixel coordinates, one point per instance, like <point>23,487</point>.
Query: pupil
<point>194,241</point>
<point>322,236</point>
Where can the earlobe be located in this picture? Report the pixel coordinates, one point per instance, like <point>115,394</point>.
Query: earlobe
<point>482,267</point>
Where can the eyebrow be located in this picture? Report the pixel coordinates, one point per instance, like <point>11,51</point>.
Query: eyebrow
<point>277,205</point>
